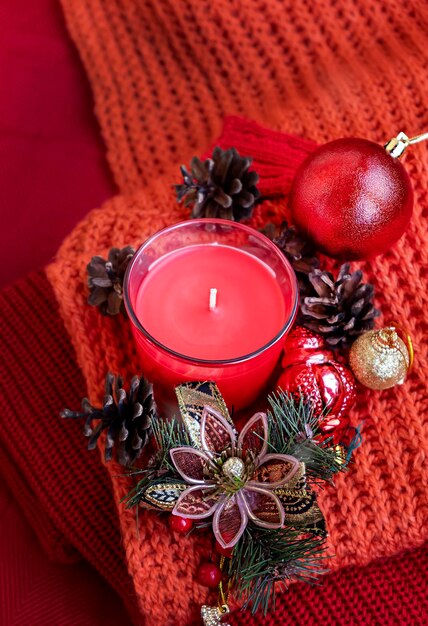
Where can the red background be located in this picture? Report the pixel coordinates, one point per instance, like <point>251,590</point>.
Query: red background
<point>52,171</point>
<point>52,166</point>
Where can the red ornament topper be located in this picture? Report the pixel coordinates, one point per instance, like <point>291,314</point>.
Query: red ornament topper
<point>311,369</point>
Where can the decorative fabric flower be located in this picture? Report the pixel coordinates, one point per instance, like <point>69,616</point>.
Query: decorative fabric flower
<point>232,478</point>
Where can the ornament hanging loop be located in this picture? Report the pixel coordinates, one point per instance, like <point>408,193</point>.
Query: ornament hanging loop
<point>222,595</point>
<point>405,336</point>
<point>397,145</point>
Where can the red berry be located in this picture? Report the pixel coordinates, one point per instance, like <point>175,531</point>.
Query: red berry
<point>351,198</point>
<point>208,575</point>
<point>227,552</point>
<point>179,524</point>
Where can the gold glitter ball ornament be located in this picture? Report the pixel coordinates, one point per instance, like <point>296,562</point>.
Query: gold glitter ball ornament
<point>380,359</point>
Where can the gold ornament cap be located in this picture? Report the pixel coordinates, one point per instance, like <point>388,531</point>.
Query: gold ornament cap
<point>212,615</point>
<point>380,359</point>
<point>397,145</point>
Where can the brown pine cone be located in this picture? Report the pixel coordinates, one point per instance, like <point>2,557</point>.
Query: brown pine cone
<point>127,418</point>
<point>340,309</point>
<point>105,280</point>
<point>220,186</point>
<point>298,251</point>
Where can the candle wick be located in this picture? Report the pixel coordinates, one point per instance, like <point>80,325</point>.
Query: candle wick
<point>213,299</point>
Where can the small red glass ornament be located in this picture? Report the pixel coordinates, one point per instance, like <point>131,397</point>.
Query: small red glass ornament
<point>227,552</point>
<point>209,575</point>
<point>352,197</point>
<point>179,524</point>
<point>311,369</point>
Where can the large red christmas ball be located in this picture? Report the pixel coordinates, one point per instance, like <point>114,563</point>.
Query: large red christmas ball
<point>351,198</point>
<point>311,369</point>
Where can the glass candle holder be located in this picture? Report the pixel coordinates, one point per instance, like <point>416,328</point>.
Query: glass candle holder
<point>210,299</point>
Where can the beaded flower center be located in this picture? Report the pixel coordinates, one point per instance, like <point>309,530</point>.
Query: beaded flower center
<point>231,473</point>
<point>234,467</point>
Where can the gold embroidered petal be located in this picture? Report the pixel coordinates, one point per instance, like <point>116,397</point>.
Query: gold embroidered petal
<point>300,504</point>
<point>192,398</point>
<point>164,495</point>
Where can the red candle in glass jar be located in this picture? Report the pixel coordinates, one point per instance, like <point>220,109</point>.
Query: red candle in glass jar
<point>210,300</point>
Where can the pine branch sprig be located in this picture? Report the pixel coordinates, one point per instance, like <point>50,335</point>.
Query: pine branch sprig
<point>289,421</point>
<point>293,429</point>
<point>264,560</point>
<point>136,495</point>
<point>167,435</point>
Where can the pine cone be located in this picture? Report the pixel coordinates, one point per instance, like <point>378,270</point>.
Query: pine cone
<point>339,310</point>
<point>220,187</point>
<point>105,280</point>
<point>127,418</point>
<point>297,250</point>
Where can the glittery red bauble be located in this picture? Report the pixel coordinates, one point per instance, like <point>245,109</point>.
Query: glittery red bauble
<point>351,198</point>
<point>311,369</point>
<point>179,524</point>
<point>209,575</point>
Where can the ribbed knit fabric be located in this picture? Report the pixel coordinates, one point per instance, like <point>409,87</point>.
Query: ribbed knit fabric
<point>164,74</point>
<point>63,490</point>
<point>35,591</point>
<point>391,592</point>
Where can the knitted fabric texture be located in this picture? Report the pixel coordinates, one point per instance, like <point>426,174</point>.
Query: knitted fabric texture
<point>164,73</point>
<point>381,594</point>
<point>64,492</point>
<point>69,503</point>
